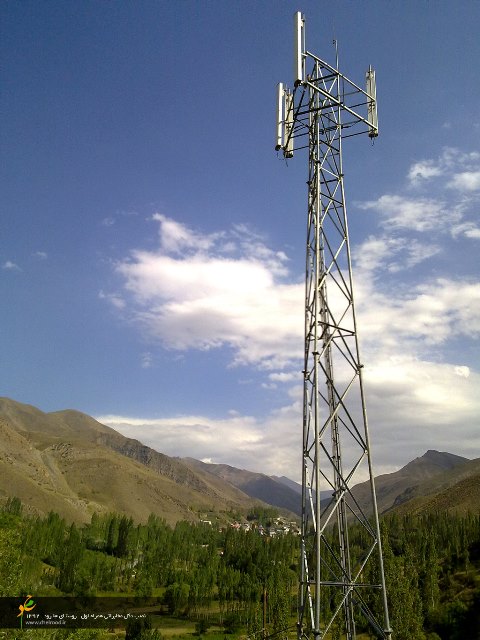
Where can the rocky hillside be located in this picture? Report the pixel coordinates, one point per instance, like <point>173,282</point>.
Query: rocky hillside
<point>421,477</point>
<point>256,485</point>
<point>69,463</point>
<point>454,491</point>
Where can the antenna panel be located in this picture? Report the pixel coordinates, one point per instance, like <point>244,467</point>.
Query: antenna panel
<point>372,103</point>
<point>298,50</point>
<point>280,101</point>
<point>288,142</point>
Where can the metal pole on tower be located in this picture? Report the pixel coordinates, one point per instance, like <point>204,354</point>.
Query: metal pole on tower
<point>340,577</point>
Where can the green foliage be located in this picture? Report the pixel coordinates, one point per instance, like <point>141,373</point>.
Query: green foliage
<point>141,630</point>
<point>201,627</point>
<point>176,597</point>
<point>427,560</point>
<point>404,597</point>
<point>232,623</point>
<point>11,566</point>
<point>263,515</point>
<point>235,578</point>
<point>125,528</point>
<point>69,564</point>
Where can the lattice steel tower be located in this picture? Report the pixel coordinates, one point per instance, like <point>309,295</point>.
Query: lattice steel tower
<point>342,585</point>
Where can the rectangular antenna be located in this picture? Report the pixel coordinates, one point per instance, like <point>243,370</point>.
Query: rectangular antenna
<point>279,138</point>
<point>298,52</point>
<point>372,103</point>
<point>288,141</point>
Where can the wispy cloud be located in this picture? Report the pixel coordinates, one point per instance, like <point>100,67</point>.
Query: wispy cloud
<point>454,177</point>
<point>461,168</point>
<point>230,288</point>
<point>205,291</point>
<point>416,404</point>
<point>415,318</point>
<point>40,255</point>
<point>466,181</point>
<point>264,445</point>
<point>416,214</point>
<point>383,253</point>
<point>10,266</point>
<point>114,299</point>
<point>467,229</point>
<point>146,360</point>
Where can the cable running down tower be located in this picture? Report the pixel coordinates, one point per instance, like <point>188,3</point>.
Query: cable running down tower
<point>342,584</point>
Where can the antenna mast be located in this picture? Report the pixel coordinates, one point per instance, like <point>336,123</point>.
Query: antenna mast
<point>342,584</point>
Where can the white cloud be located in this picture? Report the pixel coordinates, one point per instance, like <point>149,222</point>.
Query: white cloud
<point>454,178</point>
<point>265,445</point>
<point>283,376</point>
<point>386,253</point>
<point>40,255</point>
<point>448,164</point>
<point>10,266</point>
<point>412,400</point>
<point>416,404</point>
<point>194,435</point>
<point>416,214</point>
<point>228,288</point>
<point>424,170</point>
<point>177,238</point>
<point>473,232</point>
<point>466,181</point>
<point>146,360</point>
<point>421,316</point>
<point>467,229</point>
<point>199,298</point>
<point>113,298</point>
<point>420,405</point>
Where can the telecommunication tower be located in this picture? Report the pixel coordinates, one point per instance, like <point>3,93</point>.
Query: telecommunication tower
<point>342,584</point>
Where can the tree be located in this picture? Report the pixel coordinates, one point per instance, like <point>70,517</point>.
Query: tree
<point>143,586</point>
<point>141,629</point>
<point>176,597</point>
<point>279,603</point>
<point>405,605</point>
<point>70,561</point>
<point>124,529</point>
<point>231,623</point>
<point>201,627</point>
<point>112,534</point>
<point>430,582</point>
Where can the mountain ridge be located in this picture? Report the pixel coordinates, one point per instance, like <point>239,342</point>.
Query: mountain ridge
<point>421,469</point>
<point>68,462</point>
<point>256,485</point>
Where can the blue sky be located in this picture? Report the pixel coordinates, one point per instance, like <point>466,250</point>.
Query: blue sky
<point>152,243</point>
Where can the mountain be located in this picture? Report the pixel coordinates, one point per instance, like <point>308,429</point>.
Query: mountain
<point>436,481</point>
<point>291,484</point>
<point>455,491</point>
<point>324,495</point>
<point>426,475</point>
<point>68,462</point>
<point>256,485</point>
<point>409,481</point>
